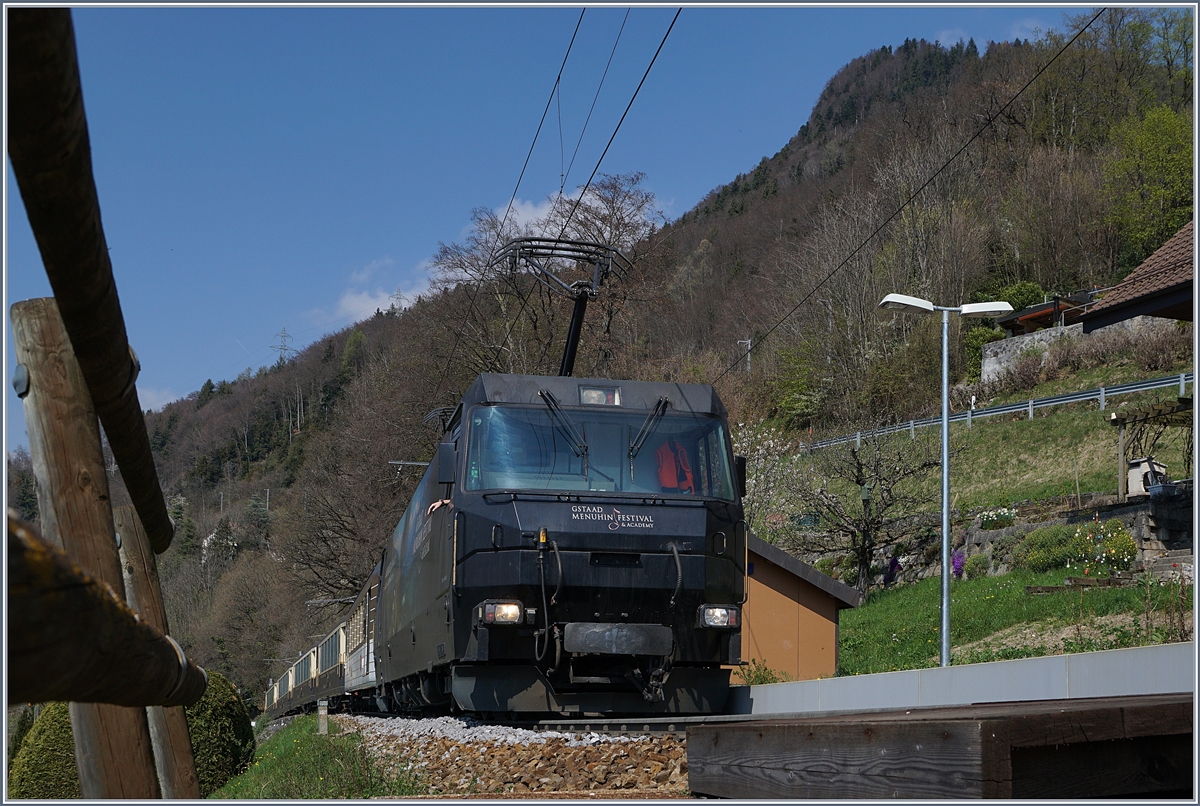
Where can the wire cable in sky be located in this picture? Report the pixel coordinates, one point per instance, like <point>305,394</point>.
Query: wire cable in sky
<point>475,291</point>
<point>909,200</point>
<point>588,119</point>
<point>583,191</point>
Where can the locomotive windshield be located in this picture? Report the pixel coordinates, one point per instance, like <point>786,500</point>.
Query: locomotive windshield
<point>601,450</point>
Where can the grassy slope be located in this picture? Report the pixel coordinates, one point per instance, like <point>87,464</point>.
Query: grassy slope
<point>298,763</point>
<point>898,629</point>
<point>1012,458</point>
<point>1017,459</point>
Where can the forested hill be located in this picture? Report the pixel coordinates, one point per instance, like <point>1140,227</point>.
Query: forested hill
<point>279,479</point>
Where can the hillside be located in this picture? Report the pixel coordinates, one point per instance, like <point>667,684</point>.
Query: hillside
<point>279,478</point>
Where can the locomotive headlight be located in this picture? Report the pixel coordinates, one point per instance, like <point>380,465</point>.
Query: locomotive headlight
<point>502,612</point>
<point>720,616</point>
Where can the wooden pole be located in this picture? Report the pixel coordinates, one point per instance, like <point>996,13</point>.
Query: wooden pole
<point>51,159</point>
<point>168,726</point>
<point>112,743</point>
<point>1122,465</point>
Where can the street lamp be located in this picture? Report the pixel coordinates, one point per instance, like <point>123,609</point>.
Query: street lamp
<point>978,310</point>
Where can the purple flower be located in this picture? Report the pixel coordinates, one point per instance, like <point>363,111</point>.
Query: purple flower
<point>957,561</point>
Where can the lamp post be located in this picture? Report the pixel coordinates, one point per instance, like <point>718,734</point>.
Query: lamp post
<point>978,310</point>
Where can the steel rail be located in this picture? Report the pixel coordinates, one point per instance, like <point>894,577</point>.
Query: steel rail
<point>51,158</point>
<point>1101,394</point>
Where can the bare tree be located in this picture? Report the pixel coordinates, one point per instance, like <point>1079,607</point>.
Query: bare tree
<point>862,488</point>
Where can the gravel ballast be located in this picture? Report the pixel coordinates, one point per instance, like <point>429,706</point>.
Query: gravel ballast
<point>460,757</point>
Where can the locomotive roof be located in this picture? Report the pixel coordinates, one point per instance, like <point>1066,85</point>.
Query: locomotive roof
<point>492,387</point>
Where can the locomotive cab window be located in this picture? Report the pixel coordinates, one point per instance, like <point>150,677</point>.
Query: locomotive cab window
<point>597,449</point>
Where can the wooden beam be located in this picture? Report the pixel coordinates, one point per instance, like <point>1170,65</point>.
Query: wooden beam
<point>169,736</point>
<point>1109,747</point>
<point>51,159</point>
<point>112,744</point>
<point>70,638</point>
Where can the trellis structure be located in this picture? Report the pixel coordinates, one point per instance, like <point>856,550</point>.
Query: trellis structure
<point>1141,429</point>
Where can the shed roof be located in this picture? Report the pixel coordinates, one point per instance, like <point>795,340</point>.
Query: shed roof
<point>845,595</point>
<point>1160,286</point>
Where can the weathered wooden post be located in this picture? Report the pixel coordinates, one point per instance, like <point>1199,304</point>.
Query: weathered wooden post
<point>112,743</point>
<point>1122,465</point>
<point>168,726</point>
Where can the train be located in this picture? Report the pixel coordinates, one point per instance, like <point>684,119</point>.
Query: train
<point>576,546</point>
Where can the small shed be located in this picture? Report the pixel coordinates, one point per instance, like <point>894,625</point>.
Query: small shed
<point>790,619</point>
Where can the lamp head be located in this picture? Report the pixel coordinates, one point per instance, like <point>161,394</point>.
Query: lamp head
<point>985,310</point>
<point>903,302</point>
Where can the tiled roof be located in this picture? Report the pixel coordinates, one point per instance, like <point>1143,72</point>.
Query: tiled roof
<point>1168,267</point>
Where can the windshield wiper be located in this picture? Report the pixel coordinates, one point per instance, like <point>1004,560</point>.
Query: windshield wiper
<point>648,426</point>
<point>567,426</point>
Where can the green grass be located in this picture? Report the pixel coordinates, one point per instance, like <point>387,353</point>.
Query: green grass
<point>899,628</point>
<point>1011,458</point>
<point>297,762</point>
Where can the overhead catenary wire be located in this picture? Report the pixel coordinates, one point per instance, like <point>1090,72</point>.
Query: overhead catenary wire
<point>584,189</point>
<point>500,229</point>
<point>987,124</point>
<point>595,98</point>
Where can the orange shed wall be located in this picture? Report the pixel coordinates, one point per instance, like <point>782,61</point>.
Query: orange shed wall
<point>789,624</point>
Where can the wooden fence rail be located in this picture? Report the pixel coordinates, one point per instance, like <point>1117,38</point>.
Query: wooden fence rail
<point>52,162</point>
<point>70,638</point>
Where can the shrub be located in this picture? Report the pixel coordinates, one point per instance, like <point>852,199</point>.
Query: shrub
<point>219,727</point>
<point>1119,545</point>
<point>1044,549</point>
<point>44,767</point>
<point>222,737</point>
<point>978,565</point>
<point>973,341</point>
<point>1063,356</point>
<point>20,729</point>
<point>1108,545</point>
<point>1158,348</point>
<point>1026,371</point>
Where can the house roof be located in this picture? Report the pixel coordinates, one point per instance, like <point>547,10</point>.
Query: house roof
<point>1160,286</point>
<point>1044,314</point>
<point>845,595</point>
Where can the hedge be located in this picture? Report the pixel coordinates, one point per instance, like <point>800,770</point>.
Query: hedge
<point>219,727</point>
<point>222,736</point>
<point>44,767</point>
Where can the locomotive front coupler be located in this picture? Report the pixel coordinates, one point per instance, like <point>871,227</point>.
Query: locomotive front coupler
<point>652,690</point>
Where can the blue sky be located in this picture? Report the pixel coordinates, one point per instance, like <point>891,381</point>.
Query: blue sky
<point>271,168</point>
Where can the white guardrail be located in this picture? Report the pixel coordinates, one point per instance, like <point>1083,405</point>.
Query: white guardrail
<point>1101,394</point>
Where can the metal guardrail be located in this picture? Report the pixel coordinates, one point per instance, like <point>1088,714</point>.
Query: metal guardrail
<point>1101,394</point>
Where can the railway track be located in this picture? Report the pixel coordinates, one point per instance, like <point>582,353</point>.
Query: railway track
<point>630,726</point>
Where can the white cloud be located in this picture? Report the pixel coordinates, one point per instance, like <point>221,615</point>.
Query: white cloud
<point>1028,28</point>
<point>354,306</point>
<point>524,212</point>
<point>363,274</point>
<point>952,36</point>
<point>154,399</point>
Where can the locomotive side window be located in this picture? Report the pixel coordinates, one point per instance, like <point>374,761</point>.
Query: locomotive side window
<point>534,448</point>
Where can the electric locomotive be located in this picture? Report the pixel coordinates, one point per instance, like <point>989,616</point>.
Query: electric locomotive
<point>575,546</point>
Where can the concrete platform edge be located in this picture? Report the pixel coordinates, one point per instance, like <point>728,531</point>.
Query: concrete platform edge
<point>1162,669</point>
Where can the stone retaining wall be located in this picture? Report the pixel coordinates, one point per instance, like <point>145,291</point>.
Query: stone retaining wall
<point>998,356</point>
